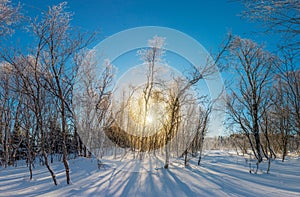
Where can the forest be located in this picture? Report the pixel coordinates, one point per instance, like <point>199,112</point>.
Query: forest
<point>58,103</point>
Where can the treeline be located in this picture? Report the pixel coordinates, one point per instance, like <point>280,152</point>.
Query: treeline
<point>239,143</point>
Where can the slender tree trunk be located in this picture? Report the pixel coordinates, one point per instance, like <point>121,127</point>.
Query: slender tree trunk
<point>257,165</point>
<point>63,126</point>
<point>256,131</point>
<point>6,148</point>
<point>48,166</point>
<point>29,158</point>
<point>200,155</point>
<point>44,154</point>
<point>269,165</point>
<point>64,147</point>
<point>30,169</point>
<point>167,148</point>
<point>185,157</point>
<point>200,151</point>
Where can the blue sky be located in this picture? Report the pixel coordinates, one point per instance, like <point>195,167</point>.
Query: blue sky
<point>206,21</point>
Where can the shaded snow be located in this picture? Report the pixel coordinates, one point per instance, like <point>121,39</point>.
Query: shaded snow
<point>221,174</point>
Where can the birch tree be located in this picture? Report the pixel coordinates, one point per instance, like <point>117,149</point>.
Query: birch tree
<point>281,17</point>
<point>57,46</point>
<point>93,100</point>
<point>245,103</point>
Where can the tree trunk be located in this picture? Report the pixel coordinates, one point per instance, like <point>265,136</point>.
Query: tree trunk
<point>49,167</point>
<point>200,155</point>
<point>63,126</point>
<point>6,148</point>
<point>269,165</point>
<point>167,148</point>
<point>257,165</point>
<point>185,157</point>
<point>256,130</point>
<point>30,170</point>
<point>64,148</point>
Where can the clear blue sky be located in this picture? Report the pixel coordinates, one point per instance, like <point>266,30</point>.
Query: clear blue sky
<point>206,21</point>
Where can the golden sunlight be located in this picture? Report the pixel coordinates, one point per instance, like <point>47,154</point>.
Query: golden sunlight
<point>151,115</point>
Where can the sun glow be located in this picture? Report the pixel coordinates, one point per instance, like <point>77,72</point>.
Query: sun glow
<point>149,119</point>
<point>151,116</point>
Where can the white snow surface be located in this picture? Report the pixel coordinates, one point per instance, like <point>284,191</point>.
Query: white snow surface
<point>221,173</point>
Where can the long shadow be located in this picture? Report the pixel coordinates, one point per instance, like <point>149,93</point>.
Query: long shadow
<point>236,182</point>
<point>226,186</point>
<point>219,178</point>
<point>185,189</point>
<point>132,186</point>
<point>253,178</point>
<point>161,182</point>
<point>117,182</point>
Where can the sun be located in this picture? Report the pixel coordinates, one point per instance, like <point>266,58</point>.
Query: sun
<point>151,116</point>
<point>149,119</point>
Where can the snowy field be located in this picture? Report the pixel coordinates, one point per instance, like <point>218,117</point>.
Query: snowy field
<point>221,174</point>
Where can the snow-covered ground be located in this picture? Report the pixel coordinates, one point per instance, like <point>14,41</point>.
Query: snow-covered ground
<point>221,174</point>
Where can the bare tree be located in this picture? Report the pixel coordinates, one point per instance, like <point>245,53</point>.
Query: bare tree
<point>8,101</point>
<point>28,126</point>
<point>202,127</point>
<point>245,105</point>
<point>151,57</point>
<point>39,84</point>
<point>267,129</point>
<point>289,85</point>
<point>57,45</point>
<point>93,100</point>
<point>9,16</point>
<point>281,16</point>
<point>284,117</point>
<point>174,107</point>
<point>31,76</point>
<point>200,124</point>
